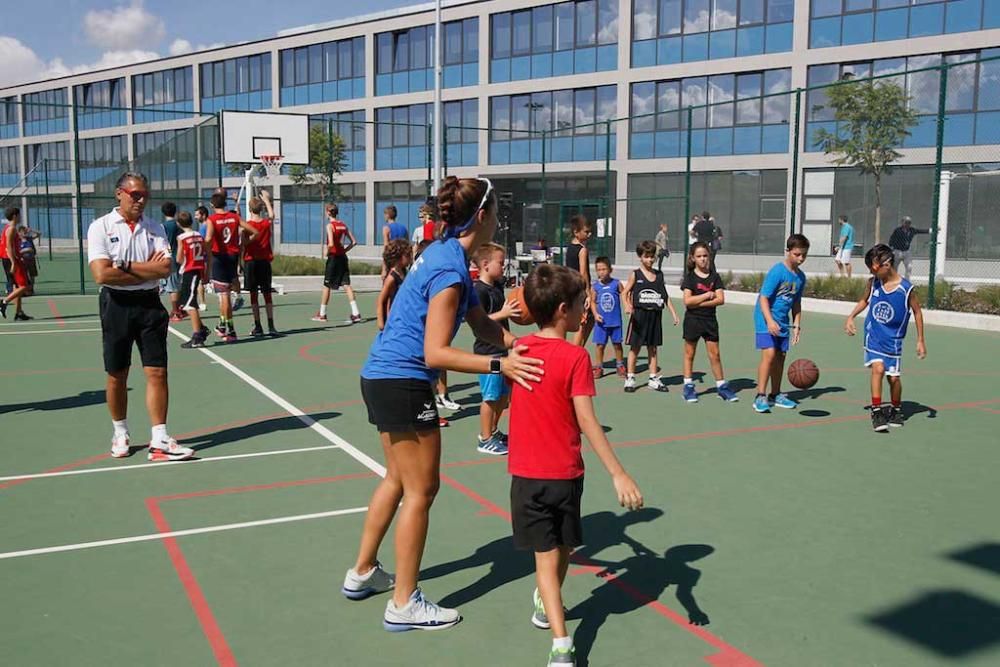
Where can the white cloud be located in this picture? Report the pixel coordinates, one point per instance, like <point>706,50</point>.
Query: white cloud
<point>179,47</point>
<point>123,28</point>
<point>22,65</point>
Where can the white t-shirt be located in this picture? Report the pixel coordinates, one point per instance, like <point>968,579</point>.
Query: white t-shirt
<point>109,237</point>
<point>418,235</point>
<point>691,237</point>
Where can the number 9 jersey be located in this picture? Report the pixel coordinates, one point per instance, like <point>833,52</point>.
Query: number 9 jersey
<point>226,235</point>
<point>193,252</point>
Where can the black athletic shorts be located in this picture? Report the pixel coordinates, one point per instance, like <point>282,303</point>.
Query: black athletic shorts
<point>190,282</point>
<point>133,317</point>
<point>645,328</point>
<point>224,271</point>
<point>257,276</point>
<point>398,405</point>
<point>701,327</point>
<point>546,513</point>
<point>8,272</point>
<point>338,272</point>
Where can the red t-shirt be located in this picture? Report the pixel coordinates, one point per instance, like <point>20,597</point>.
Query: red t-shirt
<point>193,246</point>
<point>429,230</point>
<point>339,232</point>
<point>260,247</point>
<point>3,242</point>
<point>226,236</point>
<point>544,434</point>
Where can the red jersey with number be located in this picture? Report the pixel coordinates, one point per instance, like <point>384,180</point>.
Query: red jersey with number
<point>544,432</point>
<point>226,236</point>
<point>339,232</point>
<point>260,247</point>
<point>193,251</point>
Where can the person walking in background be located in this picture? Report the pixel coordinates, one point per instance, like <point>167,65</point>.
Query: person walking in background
<point>900,241</point>
<point>845,244</point>
<point>662,242</point>
<point>691,225</point>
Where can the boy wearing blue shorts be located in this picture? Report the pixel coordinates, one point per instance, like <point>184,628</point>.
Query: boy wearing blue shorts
<point>490,259</point>
<point>778,322</point>
<point>606,304</point>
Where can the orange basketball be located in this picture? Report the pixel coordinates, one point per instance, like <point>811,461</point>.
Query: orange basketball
<point>803,373</point>
<point>518,294</point>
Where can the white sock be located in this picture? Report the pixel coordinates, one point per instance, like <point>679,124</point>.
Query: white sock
<point>121,426</point>
<point>564,643</point>
<point>688,380</point>
<point>322,310</point>
<point>631,376</point>
<point>719,383</point>
<point>159,433</point>
<point>354,309</point>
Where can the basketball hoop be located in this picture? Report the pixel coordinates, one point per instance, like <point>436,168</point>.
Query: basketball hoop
<point>272,164</point>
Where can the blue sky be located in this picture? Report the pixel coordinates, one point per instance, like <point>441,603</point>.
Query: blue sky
<point>58,37</point>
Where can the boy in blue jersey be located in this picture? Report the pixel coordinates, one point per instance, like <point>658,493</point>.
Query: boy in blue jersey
<point>777,320</point>
<point>606,304</point>
<point>889,300</point>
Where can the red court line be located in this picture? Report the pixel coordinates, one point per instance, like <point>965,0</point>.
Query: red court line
<point>55,313</point>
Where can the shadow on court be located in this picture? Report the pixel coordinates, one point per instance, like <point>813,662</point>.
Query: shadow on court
<point>233,434</point>
<point>81,400</point>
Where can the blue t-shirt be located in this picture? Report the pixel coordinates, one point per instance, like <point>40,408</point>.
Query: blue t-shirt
<point>173,231</point>
<point>846,229</point>
<point>888,316</point>
<point>397,230</point>
<point>782,288</point>
<point>398,350</point>
<point>608,299</point>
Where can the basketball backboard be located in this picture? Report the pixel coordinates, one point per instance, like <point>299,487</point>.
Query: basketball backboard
<point>246,135</point>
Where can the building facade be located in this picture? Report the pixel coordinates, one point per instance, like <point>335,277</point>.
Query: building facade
<point>517,71</point>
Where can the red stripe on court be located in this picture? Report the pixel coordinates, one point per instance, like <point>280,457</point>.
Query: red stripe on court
<point>65,466</point>
<point>55,313</point>
<point>220,647</point>
<point>489,508</point>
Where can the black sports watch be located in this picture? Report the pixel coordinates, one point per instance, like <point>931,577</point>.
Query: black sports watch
<point>495,366</point>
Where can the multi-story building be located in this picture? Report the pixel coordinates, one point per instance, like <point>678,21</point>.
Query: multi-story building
<point>516,68</point>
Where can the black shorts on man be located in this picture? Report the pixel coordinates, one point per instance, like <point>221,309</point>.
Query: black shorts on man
<point>133,317</point>
<point>257,276</point>
<point>337,272</point>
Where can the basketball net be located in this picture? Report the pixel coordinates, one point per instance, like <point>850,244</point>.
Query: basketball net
<point>272,165</point>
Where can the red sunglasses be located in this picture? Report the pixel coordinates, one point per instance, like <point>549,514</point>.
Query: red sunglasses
<point>136,195</point>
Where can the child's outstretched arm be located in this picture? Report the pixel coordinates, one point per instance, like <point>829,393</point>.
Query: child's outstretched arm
<point>858,307</point>
<point>918,321</point>
<point>628,492</point>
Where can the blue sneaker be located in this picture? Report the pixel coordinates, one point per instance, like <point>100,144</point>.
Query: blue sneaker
<point>760,404</point>
<point>494,445</point>
<point>727,394</point>
<point>500,434</point>
<point>782,401</point>
<point>690,393</point>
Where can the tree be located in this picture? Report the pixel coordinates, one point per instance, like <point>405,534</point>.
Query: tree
<point>873,118</point>
<point>327,160</point>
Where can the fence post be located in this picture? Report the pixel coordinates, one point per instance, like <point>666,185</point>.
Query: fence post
<point>542,215</point>
<point>430,158</point>
<point>607,187</point>
<point>687,185</point>
<point>444,149</point>
<point>48,206</point>
<point>795,160</point>
<point>78,194</point>
<point>939,156</point>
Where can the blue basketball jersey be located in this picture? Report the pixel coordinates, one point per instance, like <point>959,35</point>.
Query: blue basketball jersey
<point>888,316</point>
<point>609,302</point>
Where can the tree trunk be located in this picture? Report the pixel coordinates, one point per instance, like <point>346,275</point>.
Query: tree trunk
<point>878,207</point>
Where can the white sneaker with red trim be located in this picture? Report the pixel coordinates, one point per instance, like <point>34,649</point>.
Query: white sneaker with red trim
<point>120,446</point>
<point>169,450</point>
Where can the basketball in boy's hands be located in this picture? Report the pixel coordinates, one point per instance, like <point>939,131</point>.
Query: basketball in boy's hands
<point>525,318</point>
<point>803,373</point>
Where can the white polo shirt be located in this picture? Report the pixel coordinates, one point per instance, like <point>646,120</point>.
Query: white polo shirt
<point>109,237</point>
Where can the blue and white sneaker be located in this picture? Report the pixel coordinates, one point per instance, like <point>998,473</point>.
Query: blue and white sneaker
<point>358,586</point>
<point>782,401</point>
<point>418,614</point>
<point>500,434</point>
<point>690,393</point>
<point>494,445</point>
<point>761,405</point>
<point>726,393</point>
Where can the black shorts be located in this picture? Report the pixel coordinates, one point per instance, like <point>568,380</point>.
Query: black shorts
<point>338,272</point>
<point>224,271</point>
<point>398,405</point>
<point>8,269</point>
<point>546,513</point>
<point>133,317</point>
<point>645,328</point>
<point>701,327</point>
<point>190,282</point>
<point>257,276</point>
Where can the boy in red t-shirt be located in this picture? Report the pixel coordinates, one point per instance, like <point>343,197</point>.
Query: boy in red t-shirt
<point>257,256</point>
<point>191,251</point>
<point>544,446</point>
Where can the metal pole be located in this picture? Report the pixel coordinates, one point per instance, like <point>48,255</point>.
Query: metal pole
<point>444,150</point>
<point>48,206</point>
<point>431,163</point>
<point>687,185</point>
<point>939,156</point>
<point>78,194</point>
<point>607,187</point>
<point>795,158</point>
<point>543,217</point>
<point>436,177</point>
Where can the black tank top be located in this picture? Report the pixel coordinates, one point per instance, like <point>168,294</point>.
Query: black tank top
<point>573,256</point>
<point>648,294</point>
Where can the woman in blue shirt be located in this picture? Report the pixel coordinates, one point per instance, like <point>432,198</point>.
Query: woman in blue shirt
<point>397,385</point>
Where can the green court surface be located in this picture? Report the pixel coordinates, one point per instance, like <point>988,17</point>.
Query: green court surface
<point>802,536</point>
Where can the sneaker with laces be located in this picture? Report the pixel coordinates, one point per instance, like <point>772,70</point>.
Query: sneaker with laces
<point>355,319</point>
<point>538,617</point>
<point>500,434</point>
<point>726,393</point>
<point>319,318</point>
<point>656,384</point>
<point>561,657</point>
<point>620,371</point>
<point>782,401</point>
<point>257,331</point>
<point>896,418</point>
<point>21,316</point>
<point>120,446</point>
<point>493,445</point>
<point>3,308</point>
<point>197,340</point>
<point>446,403</point>
<point>418,614</point>
<point>760,404</point>
<point>238,303</point>
<point>169,450</point>
<point>220,331</point>
<point>598,372</point>
<point>273,333</point>
<point>880,419</point>
<point>690,393</point>
<point>176,316</point>
<point>362,586</point>
<point>630,384</point>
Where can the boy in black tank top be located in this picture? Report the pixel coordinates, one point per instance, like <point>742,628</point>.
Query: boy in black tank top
<point>578,259</point>
<point>645,296</point>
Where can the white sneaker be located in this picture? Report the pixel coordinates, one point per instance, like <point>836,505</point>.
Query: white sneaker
<point>447,403</point>
<point>169,450</point>
<point>120,446</point>
<point>361,586</point>
<point>418,614</point>
<point>630,384</point>
<point>656,384</point>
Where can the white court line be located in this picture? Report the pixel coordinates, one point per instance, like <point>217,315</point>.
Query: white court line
<point>178,533</point>
<point>329,435</point>
<point>166,464</point>
<point>45,323</point>
<point>46,331</point>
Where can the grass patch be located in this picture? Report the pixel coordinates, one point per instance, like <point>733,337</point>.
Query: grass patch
<point>294,265</point>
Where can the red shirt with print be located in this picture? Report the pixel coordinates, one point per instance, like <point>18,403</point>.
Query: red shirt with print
<point>544,433</point>
<point>226,235</point>
<point>193,251</point>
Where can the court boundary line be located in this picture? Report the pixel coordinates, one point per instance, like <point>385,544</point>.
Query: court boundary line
<point>48,331</point>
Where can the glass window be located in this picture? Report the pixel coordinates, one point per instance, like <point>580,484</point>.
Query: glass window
<point>168,86</point>
<point>668,97</point>
<point>723,14</point>
<point>357,57</point>
<point>230,69</point>
<point>520,116</point>
<point>858,5</point>
<point>562,112</point>
<point>779,11</point>
<point>419,116</point>
<point>344,58</point>
<point>402,54</point>
<point>301,66</point>
<point>586,23</point>
<point>385,53</point>
<point>720,95</point>
<point>330,61</point>
<point>748,87</point>
<point>400,128</point>
<point>418,46</point>
<point>206,78</point>
<point>607,21</point>
<point>585,110</point>
<point>453,43</point>
<point>644,19</point>
<point>383,130</point>
<point>693,95</point>
<point>255,73</point>
<point>696,13</point>
<point>961,82</point>
<point>315,63</point>
<point>500,118</point>
<point>825,8</point>
<point>500,43</point>
<point>923,87</point>
<point>751,12</point>
<point>565,26</point>
<point>885,4</point>
<point>243,72</point>
<point>542,36</point>
<point>470,35</point>
<point>522,33</point>
<point>989,84</point>
<point>776,107</point>
<point>607,107</point>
